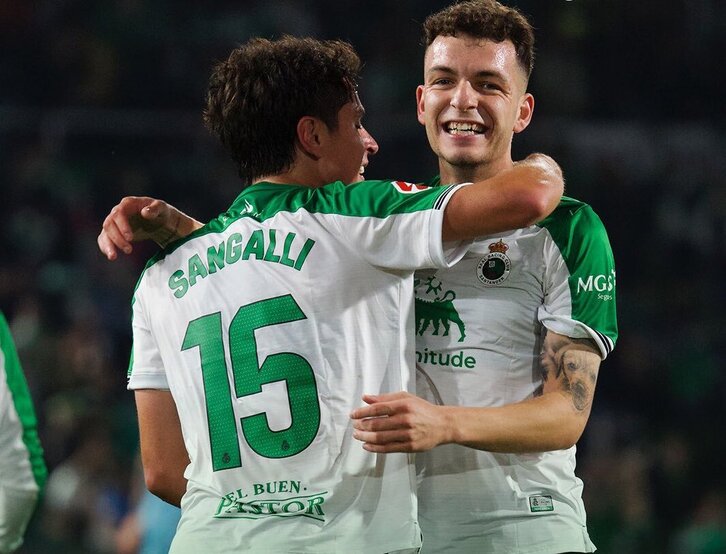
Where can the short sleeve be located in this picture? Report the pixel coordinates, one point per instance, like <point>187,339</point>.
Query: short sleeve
<point>146,369</point>
<point>579,277</point>
<point>398,225</point>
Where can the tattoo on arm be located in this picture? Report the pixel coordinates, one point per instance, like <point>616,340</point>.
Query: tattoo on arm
<point>169,234</point>
<point>571,367</point>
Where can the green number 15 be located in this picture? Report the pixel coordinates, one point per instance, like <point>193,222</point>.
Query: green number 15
<point>249,376</point>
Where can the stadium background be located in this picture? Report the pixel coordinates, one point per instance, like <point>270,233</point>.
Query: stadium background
<point>102,99</point>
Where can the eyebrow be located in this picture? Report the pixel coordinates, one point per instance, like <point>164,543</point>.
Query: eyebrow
<point>483,73</point>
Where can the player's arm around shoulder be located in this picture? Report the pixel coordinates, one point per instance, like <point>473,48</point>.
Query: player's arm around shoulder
<point>514,198</point>
<point>139,218</point>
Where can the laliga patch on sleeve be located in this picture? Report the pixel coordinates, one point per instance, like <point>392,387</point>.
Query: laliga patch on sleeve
<point>408,188</point>
<point>541,503</point>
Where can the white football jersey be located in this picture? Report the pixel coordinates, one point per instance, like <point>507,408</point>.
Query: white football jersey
<point>267,326</point>
<point>480,326</point>
<point>22,469</point>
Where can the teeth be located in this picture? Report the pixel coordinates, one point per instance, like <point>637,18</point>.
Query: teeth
<point>458,128</point>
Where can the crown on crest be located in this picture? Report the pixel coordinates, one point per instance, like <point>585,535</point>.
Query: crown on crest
<point>498,247</point>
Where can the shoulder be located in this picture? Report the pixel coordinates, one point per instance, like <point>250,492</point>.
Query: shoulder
<point>571,211</point>
<point>574,220</point>
<point>381,198</point>
<point>580,237</point>
<point>152,271</point>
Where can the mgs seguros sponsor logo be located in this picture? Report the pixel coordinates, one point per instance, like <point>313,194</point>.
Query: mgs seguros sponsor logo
<point>602,284</point>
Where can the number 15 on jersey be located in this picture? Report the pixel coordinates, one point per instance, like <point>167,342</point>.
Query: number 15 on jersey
<point>206,334</point>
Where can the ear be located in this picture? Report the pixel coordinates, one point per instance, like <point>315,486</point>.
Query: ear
<point>420,104</point>
<point>526,109</point>
<point>308,136</point>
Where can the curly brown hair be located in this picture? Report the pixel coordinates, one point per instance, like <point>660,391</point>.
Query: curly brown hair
<point>259,93</point>
<point>484,19</point>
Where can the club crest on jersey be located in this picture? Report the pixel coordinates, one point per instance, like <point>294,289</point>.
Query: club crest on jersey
<point>408,188</point>
<point>495,267</point>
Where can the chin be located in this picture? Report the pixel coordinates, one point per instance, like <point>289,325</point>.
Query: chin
<point>355,179</point>
<point>466,161</point>
<point>466,154</point>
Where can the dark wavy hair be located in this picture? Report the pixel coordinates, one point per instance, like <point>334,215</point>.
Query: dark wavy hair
<point>259,93</point>
<point>484,19</point>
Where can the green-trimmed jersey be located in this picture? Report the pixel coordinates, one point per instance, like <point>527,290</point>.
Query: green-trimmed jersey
<point>22,469</point>
<point>267,326</point>
<point>480,327</point>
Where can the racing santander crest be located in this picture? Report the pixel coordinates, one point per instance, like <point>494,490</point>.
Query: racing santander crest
<point>495,267</point>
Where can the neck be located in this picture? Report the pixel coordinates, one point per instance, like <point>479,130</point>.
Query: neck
<point>452,174</point>
<point>295,176</point>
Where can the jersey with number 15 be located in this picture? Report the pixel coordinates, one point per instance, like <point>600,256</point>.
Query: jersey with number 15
<point>267,325</point>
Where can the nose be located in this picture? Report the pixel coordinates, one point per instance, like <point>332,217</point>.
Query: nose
<point>369,142</point>
<point>464,97</point>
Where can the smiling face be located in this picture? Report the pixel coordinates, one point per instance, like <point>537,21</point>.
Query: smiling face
<point>472,102</point>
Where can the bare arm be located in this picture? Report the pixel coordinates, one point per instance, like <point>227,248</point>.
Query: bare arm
<point>514,198</point>
<point>553,420</point>
<point>163,453</point>
<point>138,218</point>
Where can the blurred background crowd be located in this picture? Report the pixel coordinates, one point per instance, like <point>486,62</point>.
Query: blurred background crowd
<point>103,99</point>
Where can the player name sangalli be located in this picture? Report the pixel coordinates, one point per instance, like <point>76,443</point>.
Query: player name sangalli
<point>274,246</point>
